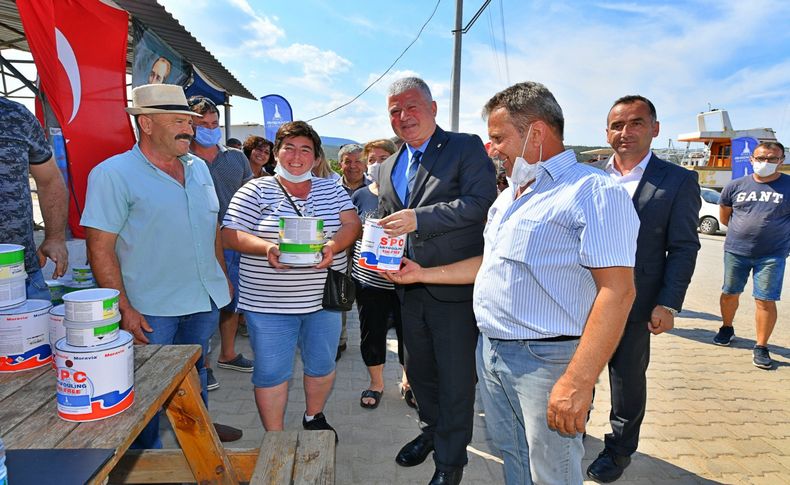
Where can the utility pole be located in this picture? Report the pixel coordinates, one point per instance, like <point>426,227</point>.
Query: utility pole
<point>455,97</point>
<point>456,77</point>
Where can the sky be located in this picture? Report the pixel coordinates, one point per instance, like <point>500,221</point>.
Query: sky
<point>686,56</point>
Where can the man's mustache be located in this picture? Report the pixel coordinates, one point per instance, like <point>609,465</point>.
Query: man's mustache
<point>184,136</point>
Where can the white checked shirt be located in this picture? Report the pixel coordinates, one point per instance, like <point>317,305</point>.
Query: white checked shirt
<point>534,280</point>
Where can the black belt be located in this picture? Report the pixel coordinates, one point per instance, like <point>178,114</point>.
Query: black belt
<point>558,338</point>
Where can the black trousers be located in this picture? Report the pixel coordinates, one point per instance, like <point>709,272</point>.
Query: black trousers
<point>628,382</point>
<point>377,308</point>
<point>440,340</point>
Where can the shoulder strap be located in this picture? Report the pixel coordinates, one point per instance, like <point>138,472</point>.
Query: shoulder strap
<point>287,196</point>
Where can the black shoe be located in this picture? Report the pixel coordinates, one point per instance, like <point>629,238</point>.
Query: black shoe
<point>226,433</point>
<point>608,467</point>
<point>318,423</point>
<point>447,478</point>
<point>415,452</point>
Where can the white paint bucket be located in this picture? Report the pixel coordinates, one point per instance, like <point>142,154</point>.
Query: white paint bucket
<point>56,329</point>
<point>301,240</point>
<point>12,261</point>
<point>92,334</point>
<point>91,305</point>
<point>81,273</point>
<point>24,336</point>
<point>378,251</point>
<point>97,382</point>
<point>13,291</point>
<point>70,286</point>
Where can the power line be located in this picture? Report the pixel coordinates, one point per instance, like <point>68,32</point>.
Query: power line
<point>436,7</point>
<point>504,40</point>
<point>494,47</point>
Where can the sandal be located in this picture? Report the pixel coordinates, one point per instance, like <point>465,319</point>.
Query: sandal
<point>408,396</point>
<point>370,394</point>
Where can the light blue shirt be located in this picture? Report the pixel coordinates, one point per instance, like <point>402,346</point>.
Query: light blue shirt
<point>166,232</point>
<point>399,179</point>
<point>534,280</point>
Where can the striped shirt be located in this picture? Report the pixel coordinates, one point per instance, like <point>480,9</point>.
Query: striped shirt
<point>367,204</point>
<point>534,281</point>
<point>256,209</point>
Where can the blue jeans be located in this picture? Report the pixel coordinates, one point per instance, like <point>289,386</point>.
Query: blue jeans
<point>516,377</point>
<point>275,336</point>
<point>767,275</point>
<point>37,289</point>
<point>195,328</point>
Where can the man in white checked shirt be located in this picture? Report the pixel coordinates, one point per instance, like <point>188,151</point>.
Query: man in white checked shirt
<point>552,289</point>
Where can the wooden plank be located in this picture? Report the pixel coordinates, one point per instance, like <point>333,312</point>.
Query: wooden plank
<point>10,382</point>
<point>196,435</point>
<point>314,462</point>
<point>42,427</point>
<point>276,459</point>
<point>171,466</point>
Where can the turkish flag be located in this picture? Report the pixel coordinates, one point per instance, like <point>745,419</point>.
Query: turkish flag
<point>79,47</point>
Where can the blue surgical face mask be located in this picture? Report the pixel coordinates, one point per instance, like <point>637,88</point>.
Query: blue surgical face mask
<point>207,136</point>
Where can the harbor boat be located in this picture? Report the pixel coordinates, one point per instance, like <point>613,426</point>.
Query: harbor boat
<point>714,162</point>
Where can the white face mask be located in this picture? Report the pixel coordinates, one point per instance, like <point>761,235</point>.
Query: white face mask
<point>523,171</point>
<point>373,172</point>
<point>295,179</point>
<point>764,169</point>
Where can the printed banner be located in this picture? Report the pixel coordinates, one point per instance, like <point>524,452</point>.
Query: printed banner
<point>154,61</point>
<point>276,111</point>
<point>79,48</point>
<point>741,151</point>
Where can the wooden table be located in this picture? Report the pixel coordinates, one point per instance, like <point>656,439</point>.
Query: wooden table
<point>165,377</point>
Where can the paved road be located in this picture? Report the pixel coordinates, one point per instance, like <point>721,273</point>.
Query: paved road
<point>712,416</point>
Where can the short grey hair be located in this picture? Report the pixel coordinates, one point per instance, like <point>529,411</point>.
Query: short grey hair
<point>404,84</point>
<point>348,150</point>
<point>528,102</point>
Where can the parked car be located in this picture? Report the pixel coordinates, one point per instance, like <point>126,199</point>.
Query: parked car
<point>709,222</point>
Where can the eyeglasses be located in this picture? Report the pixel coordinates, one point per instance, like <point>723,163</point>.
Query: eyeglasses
<point>768,159</point>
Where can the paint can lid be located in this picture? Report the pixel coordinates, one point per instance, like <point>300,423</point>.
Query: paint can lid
<point>124,338</point>
<point>28,306</point>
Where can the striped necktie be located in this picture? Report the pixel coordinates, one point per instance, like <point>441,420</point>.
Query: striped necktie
<point>411,173</point>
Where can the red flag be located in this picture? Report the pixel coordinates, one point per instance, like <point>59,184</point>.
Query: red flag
<point>79,47</point>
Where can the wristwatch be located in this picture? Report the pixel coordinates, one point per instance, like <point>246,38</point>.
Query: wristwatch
<point>671,310</point>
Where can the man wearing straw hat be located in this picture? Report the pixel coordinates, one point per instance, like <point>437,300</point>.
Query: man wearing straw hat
<point>151,221</point>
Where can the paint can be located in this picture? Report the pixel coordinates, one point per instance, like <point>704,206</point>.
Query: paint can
<point>56,290</point>
<point>71,285</point>
<point>301,240</point>
<point>378,251</point>
<point>12,261</point>
<point>81,273</point>
<point>92,334</point>
<point>56,329</point>
<point>13,291</point>
<point>24,336</point>
<point>91,305</point>
<point>96,382</point>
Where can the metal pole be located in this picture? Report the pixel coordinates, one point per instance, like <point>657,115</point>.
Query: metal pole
<point>456,78</point>
<point>227,117</point>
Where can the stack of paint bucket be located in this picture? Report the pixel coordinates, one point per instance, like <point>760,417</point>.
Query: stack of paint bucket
<point>24,324</point>
<point>95,359</point>
<point>81,278</point>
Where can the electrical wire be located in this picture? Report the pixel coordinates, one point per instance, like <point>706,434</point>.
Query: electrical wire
<point>436,7</point>
<point>494,49</point>
<point>504,40</point>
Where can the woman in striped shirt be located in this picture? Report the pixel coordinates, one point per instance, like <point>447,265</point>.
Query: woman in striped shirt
<point>282,304</point>
<point>377,302</point>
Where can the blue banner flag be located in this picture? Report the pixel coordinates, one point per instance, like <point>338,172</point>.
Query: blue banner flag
<point>741,151</point>
<point>276,111</point>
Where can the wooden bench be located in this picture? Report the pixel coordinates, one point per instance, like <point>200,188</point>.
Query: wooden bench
<point>284,458</point>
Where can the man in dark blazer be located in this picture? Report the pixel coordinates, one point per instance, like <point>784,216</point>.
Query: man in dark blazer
<point>436,189</point>
<point>667,199</point>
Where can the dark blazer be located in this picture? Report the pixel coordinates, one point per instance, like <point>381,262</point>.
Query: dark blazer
<point>454,187</point>
<point>667,201</point>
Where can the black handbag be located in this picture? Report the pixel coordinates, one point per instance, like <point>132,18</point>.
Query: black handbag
<point>339,289</point>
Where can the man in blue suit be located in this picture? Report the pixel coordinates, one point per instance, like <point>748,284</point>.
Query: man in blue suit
<point>667,200</point>
<point>437,189</point>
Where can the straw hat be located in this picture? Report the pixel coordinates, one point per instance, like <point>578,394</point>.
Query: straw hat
<point>159,98</point>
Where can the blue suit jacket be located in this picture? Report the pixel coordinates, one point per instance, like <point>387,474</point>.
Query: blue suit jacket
<point>454,187</point>
<point>667,201</point>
